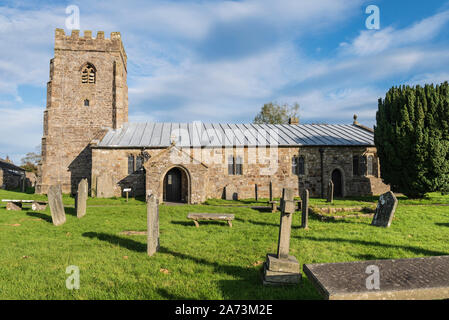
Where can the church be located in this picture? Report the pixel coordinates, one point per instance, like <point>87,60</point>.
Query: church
<point>87,135</point>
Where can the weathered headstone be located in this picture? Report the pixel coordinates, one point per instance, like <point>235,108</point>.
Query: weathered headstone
<point>231,192</point>
<point>282,268</point>
<point>81,198</point>
<point>305,209</point>
<point>386,207</point>
<point>152,225</point>
<point>105,186</point>
<point>330,192</point>
<point>56,205</point>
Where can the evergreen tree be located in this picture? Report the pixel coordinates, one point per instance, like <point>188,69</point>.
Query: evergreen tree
<point>412,139</point>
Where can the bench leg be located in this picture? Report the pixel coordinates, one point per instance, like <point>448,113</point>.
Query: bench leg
<point>196,223</point>
<point>230,223</point>
<point>15,206</point>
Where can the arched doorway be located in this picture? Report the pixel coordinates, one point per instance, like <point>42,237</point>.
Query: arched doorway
<point>338,183</point>
<point>176,186</point>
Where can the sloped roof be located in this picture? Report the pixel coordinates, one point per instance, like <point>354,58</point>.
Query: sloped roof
<point>10,166</point>
<point>196,134</point>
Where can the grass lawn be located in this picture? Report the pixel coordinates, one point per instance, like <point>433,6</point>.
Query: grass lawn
<point>211,262</point>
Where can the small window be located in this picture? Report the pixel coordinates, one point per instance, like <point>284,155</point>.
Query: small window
<point>130,164</point>
<point>239,166</point>
<point>355,165</point>
<point>301,165</point>
<point>139,163</point>
<point>370,165</point>
<point>86,103</point>
<point>295,165</point>
<point>231,165</point>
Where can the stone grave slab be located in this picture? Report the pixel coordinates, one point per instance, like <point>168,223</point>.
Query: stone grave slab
<point>81,198</point>
<point>400,279</point>
<point>231,192</point>
<point>56,205</point>
<point>105,186</point>
<point>385,210</point>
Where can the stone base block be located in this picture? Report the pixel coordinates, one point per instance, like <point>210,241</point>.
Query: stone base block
<point>16,206</point>
<point>280,278</point>
<point>290,265</point>
<point>37,206</point>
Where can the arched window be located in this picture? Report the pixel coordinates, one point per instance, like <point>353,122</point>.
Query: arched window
<point>88,74</point>
<point>131,164</point>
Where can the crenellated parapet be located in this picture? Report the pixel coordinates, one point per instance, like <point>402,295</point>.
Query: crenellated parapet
<point>85,42</point>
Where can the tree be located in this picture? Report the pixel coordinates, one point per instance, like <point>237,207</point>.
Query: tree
<point>273,113</point>
<point>412,139</point>
<point>31,160</point>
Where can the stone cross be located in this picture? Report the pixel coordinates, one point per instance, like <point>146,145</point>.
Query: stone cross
<point>330,192</point>
<point>81,198</point>
<point>56,205</point>
<point>385,210</point>
<point>152,225</point>
<point>305,209</point>
<point>287,208</point>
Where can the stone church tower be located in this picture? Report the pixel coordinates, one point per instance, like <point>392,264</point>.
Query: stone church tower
<point>87,93</point>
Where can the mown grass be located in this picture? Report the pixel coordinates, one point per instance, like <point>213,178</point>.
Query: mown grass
<point>210,262</point>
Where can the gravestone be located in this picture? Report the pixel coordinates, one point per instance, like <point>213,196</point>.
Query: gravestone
<point>56,205</point>
<point>38,206</point>
<point>231,192</point>
<point>81,198</point>
<point>330,192</point>
<point>386,207</point>
<point>282,268</point>
<point>152,225</point>
<point>105,186</point>
<point>305,209</point>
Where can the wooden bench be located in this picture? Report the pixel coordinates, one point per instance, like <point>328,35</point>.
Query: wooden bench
<point>211,216</point>
<point>17,205</point>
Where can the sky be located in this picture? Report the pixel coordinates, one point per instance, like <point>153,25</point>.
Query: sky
<point>220,61</point>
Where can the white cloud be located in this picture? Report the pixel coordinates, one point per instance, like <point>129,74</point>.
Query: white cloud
<point>373,42</point>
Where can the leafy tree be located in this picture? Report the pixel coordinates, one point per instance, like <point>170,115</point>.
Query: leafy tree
<point>412,139</point>
<point>273,113</point>
<point>31,161</point>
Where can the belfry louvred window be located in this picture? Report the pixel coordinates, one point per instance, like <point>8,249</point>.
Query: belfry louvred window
<point>88,74</point>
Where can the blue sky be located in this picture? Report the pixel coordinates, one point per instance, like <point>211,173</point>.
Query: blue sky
<point>220,61</point>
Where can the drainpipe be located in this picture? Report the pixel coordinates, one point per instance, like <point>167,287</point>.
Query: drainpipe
<point>322,171</point>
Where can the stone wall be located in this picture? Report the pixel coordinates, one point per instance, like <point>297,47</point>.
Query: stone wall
<point>2,186</point>
<point>207,171</point>
<point>70,125</point>
<point>9,181</point>
<point>114,162</point>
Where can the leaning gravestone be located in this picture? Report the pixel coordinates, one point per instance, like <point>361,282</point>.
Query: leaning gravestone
<point>231,192</point>
<point>56,205</point>
<point>385,210</point>
<point>81,198</point>
<point>152,225</point>
<point>282,268</point>
<point>105,186</point>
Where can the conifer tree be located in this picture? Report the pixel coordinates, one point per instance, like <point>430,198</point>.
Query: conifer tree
<point>412,139</point>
